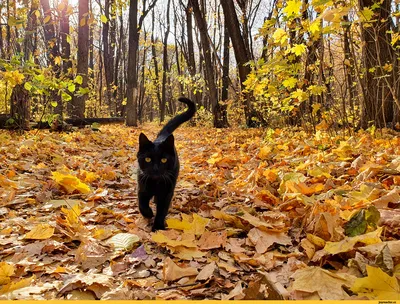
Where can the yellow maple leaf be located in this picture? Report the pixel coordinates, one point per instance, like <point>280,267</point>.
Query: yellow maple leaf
<point>348,243</point>
<point>280,36</point>
<point>16,285</point>
<point>197,226</point>
<point>6,271</point>
<point>377,285</point>
<point>70,183</point>
<point>40,232</point>
<point>292,8</point>
<point>161,238</point>
<point>298,49</point>
<point>72,216</point>
<point>290,82</point>
<point>327,284</point>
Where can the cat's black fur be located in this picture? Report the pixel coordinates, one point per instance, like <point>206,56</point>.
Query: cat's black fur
<point>157,178</point>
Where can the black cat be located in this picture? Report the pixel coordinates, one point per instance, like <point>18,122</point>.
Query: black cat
<point>159,168</point>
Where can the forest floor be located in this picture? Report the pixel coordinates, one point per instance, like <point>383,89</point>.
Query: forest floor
<point>257,214</point>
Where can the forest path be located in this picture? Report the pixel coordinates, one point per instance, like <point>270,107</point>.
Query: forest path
<point>242,205</point>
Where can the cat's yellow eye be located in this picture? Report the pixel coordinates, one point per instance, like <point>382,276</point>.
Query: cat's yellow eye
<point>163,160</point>
<point>147,159</point>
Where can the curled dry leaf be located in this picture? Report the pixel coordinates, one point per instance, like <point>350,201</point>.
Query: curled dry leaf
<point>265,239</point>
<point>172,272</point>
<point>207,272</point>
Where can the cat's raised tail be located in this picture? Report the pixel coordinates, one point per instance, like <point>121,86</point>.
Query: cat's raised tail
<point>178,119</point>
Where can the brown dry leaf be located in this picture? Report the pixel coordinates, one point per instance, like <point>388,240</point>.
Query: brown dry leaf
<point>236,293</point>
<point>98,283</point>
<point>90,254</point>
<point>375,249</point>
<point>265,239</point>
<point>172,272</point>
<point>327,284</point>
<point>212,240</point>
<point>207,272</point>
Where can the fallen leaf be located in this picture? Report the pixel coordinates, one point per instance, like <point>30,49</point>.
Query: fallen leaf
<point>123,241</point>
<point>40,232</point>
<point>207,272</point>
<point>11,286</point>
<point>327,284</point>
<point>211,240</point>
<point>70,183</point>
<point>378,285</point>
<point>197,226</point>
<point>265,239</point>
<point>348,243</point>
<point>6,271</point>
<point>172,272</point>
<point>236,293</point>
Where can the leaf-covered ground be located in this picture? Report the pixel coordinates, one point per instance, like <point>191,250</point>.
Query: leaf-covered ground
<point>257,214</point>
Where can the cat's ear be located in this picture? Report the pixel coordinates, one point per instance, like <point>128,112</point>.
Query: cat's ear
<point>169,142</point>
<point>143,140</point>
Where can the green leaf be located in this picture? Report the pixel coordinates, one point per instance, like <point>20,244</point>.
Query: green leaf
<point>83,91</point>
<point>71,87</point>
<point>103,19</point>
<point>27,86</point>
<point>357,224</point>
<point>65,96</point>
<point>54,104</point>
<point>95,126</point>
<point>372,216</point>
<point>78,79</point>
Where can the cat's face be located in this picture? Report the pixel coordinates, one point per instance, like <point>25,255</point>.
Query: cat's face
<point>156,159</point>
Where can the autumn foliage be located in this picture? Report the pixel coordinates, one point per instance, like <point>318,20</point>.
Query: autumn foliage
<point>257,214</point>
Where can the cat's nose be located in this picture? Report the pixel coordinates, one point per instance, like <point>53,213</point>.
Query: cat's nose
<point>155,167</point>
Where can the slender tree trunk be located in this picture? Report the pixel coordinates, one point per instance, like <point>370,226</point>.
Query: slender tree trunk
<point>78,102</point>
<point>52,52</point>
<point>377,52</point>
<point>241,54</point>
<point>155,62</point>
<point>131,106</point>
<point>165,66</point>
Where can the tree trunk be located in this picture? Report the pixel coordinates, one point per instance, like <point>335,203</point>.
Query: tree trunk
<point>78,102</point>
<point>379,100</point>
<point>108,51</point>
<point>218,121</point>
<point>131,92</point>
<point>165,66</point>
<point>155,62</point>
<point>52,52</point>
<point>241,54</point>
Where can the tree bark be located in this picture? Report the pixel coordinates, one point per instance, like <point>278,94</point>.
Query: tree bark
<point>78,101</point>
<point>241,54</point>
<point>379,100</point>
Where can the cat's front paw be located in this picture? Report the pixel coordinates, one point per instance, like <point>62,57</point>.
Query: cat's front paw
<point>158,226</point>
<point>146,212</point>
